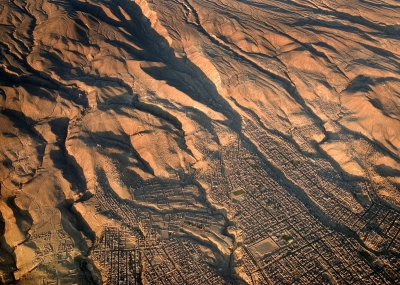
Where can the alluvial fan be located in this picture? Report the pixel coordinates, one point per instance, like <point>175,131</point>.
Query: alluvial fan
<point>200,142</point>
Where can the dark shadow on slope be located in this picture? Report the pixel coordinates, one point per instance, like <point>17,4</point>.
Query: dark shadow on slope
<point>7,266</point>
<point>283,81</point>
<point>124,101</point>
<point>66,7</point>
<point>223,260</point>
<point>301,195</point>
<point>68,165</point>
<point>37,84</point>
<point>105,140</point>
<point>360,84</point>
<point>365,84</point>
<point>59,127</point>
<point>333,25</point>
<point>160,113</point>
<point>25,125</point>
<point>353,19</point>
<point>387,171</point>
<point>199,87</point>
<point>89,274</point>
<point>37,81</point>
<point>23,218</point>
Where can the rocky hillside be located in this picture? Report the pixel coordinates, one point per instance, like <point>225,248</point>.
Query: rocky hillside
<point>200,142</point>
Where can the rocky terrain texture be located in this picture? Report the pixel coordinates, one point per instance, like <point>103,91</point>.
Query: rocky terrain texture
<point>200,142</point>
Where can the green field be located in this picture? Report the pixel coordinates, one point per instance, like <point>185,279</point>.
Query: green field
<point>239,192</point>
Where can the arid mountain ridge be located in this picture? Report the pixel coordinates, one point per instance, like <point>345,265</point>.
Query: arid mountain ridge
<point>208,141</point>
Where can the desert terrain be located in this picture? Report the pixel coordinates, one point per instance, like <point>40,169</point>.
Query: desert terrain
<point>199,142</point>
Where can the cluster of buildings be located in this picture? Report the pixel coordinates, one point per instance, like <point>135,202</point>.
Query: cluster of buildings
<point>179,261</point>
<point>323,184</point>
<point>159,226</point>
<point>285,219</point>
<point>118,255</point>
<point>284,238</point>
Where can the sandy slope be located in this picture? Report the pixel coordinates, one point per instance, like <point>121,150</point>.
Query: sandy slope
<point>103,98</point>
